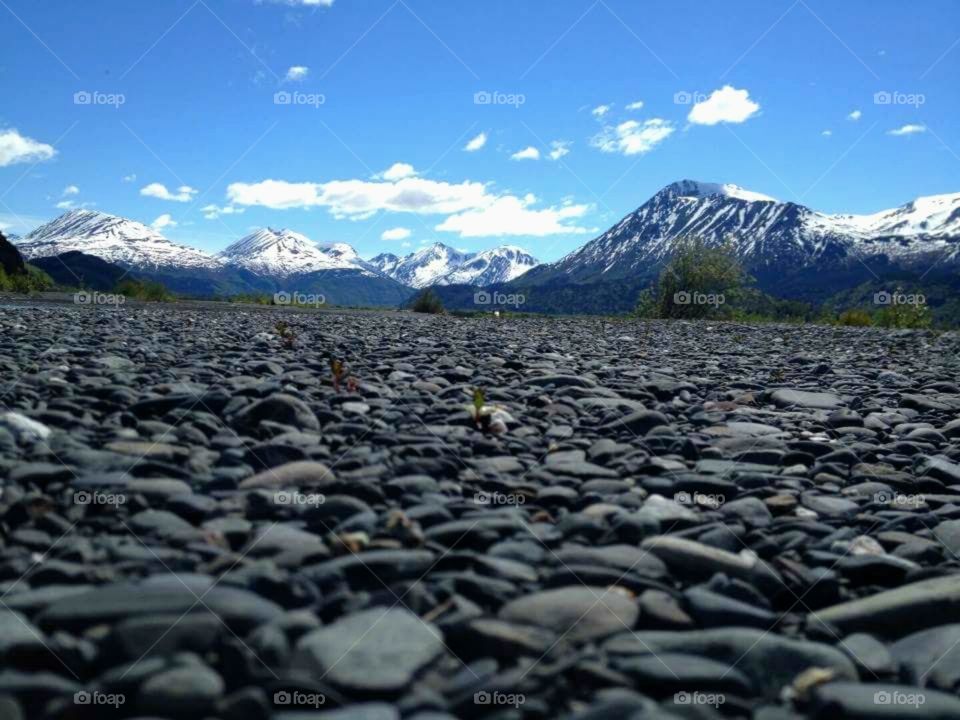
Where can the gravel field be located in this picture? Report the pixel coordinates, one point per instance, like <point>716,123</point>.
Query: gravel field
<point>644,520</point>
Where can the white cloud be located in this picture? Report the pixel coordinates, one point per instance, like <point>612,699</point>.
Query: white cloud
<point>559,148</point>
<point>472,210</point>
<point>827,133</point>
<point>65,205</point>
<point>71,190</point>
<point>397,233</point>
<point>405,244</point>
<point>362,198</point>
<point>304,3</point>
<point>184,193</point>
<point>600,110</point>
<point>510,215</point>
<point>212,212</point>
<point>632,137</point>
<point>724,105</point>
<point>164,221</point>
<point>635,105</point>
<point>130,178</point>
<point>855,115</point>
<point>398,171</point>
<point>478,142</point>
<point>15,148</point>
<point>297,73</point>
<point>909,129</point>
<point>528,153</point>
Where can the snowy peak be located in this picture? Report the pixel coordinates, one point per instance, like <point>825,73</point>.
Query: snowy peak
<point>697,189</point>
<point>427,265</point>
<point>489,267</point>
<point>385,263</point>
<point>280,253</point>
<point>937,215</point>
<point>111,238</point>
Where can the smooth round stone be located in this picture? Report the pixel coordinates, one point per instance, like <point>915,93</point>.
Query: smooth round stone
<point>881,701</point>
<point>300,473</point>
<point>189,690</point>
<point>581,613</point>
<point>787,398</point>
<point>373,651</point>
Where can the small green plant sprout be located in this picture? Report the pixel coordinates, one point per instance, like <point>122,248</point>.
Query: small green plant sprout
<point>286,334</point>
<point>487,418</point>
<point>337,371</point>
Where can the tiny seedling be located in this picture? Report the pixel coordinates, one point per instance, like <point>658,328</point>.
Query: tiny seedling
<point>337,371</point>
<point>286,334</point>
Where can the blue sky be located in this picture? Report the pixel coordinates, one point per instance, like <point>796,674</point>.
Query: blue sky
<point>178,121</point>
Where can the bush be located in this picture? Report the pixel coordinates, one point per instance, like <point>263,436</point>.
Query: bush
<point>693,284</point>
<point>428,302</point>
<point>33,280</point>
<point>149,290</point>
<point>855,318</point>
<point>914,316</point>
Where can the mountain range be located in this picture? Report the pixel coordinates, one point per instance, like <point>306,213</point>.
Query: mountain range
<point>267,260</point>
<point>791,250</point>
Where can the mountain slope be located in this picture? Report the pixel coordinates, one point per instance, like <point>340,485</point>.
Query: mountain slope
<point>423,267</point>
<point>78,270</point>
<point>11,261</point>
<point>775,240</point>
<point>498,265</point>
<point>114,239</point>
<point>281,253</point>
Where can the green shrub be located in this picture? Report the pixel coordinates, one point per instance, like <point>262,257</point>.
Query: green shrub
<point>914,316</point>
<point>33,280</point>
<point>149,290</point>
<point>694,283</point>
<point>855,318</point>
<point>428,302</point>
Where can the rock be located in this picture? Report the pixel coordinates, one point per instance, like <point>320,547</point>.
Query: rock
<point>693,559</point>
<point>897,612</point>
<point>879,701</point>
<point>788,398</point>
<point>300,473</point>
<point>23,428</point>
<point>189,690</point>
<point>279,408</point>
<point>930,657</point>
<point>579,613</point>
<point>769,661</point>
<point>373,651</point>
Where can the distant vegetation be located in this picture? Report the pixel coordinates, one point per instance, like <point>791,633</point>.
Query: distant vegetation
<point>33,280</point>
<point>149,290</point>
<point>427,302</point>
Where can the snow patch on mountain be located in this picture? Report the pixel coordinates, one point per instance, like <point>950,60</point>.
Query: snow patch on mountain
<point>489,267</point>
<point>281,253</point>
<point>114,239</point>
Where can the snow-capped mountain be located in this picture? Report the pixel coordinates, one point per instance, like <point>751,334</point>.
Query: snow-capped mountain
<point>498,265</point>
<point>281,253</point>
<point>440,264</point>
<point>422,268</point>
<point>115,239</point>
<point>771,237</point>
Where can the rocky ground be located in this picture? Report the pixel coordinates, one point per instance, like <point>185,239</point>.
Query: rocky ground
<point>653,521</point>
